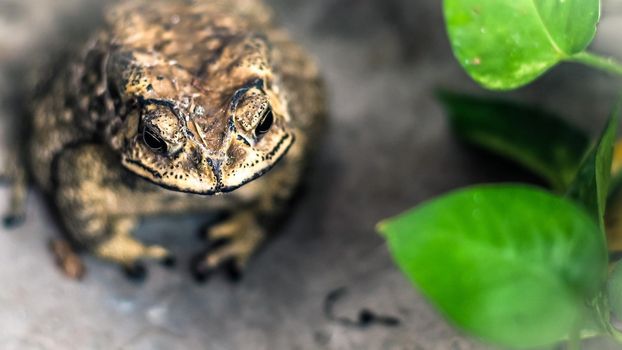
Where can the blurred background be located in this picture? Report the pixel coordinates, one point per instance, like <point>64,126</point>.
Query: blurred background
<point>388,148</point>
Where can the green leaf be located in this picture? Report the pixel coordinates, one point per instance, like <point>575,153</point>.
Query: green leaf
<point>504,44</point>
<point>510,264</point>
<point>590,188</point>
<point>538,140</point>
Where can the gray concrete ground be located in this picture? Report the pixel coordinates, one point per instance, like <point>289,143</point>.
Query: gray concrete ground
<point>388,149</point>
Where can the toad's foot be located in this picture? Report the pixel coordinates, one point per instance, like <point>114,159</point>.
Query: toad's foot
<point>123,249</point>
<point>15,174</point>
<point>232,243</point>
<point>67,259</point>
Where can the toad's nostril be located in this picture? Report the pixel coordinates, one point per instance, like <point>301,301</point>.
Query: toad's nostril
<point>195,157</point>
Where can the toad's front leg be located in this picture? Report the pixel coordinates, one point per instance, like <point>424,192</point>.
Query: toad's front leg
<point>99,210</point>
<point>232,242</point>
<point>122,248</point>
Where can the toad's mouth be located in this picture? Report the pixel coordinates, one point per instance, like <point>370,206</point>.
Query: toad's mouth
<point>214,176</point>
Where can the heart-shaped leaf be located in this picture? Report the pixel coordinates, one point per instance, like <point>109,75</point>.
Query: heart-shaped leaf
<point>504,44</point>
<point>538,140</point>
<point>509,264</point>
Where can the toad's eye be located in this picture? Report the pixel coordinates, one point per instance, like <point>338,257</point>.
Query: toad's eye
<point>153,140</point>
<point>265,124</point>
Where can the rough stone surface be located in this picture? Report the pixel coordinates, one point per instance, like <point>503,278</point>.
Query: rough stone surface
<point>388,148</point>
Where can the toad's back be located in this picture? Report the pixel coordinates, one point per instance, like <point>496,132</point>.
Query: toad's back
<point>194,34</point>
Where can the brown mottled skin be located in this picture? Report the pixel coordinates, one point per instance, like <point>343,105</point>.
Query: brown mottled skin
<point>177,107</point>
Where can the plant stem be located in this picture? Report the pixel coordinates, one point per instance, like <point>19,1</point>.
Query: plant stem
<point>601,304</point>
<point>606,64</point>
<point>574,341</point>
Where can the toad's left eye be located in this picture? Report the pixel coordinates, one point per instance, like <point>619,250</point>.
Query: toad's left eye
<point>153,140</point>
<point>265,124</point>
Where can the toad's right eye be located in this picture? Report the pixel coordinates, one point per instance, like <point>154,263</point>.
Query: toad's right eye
<point>153,140</point>
<point>265,123</point>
